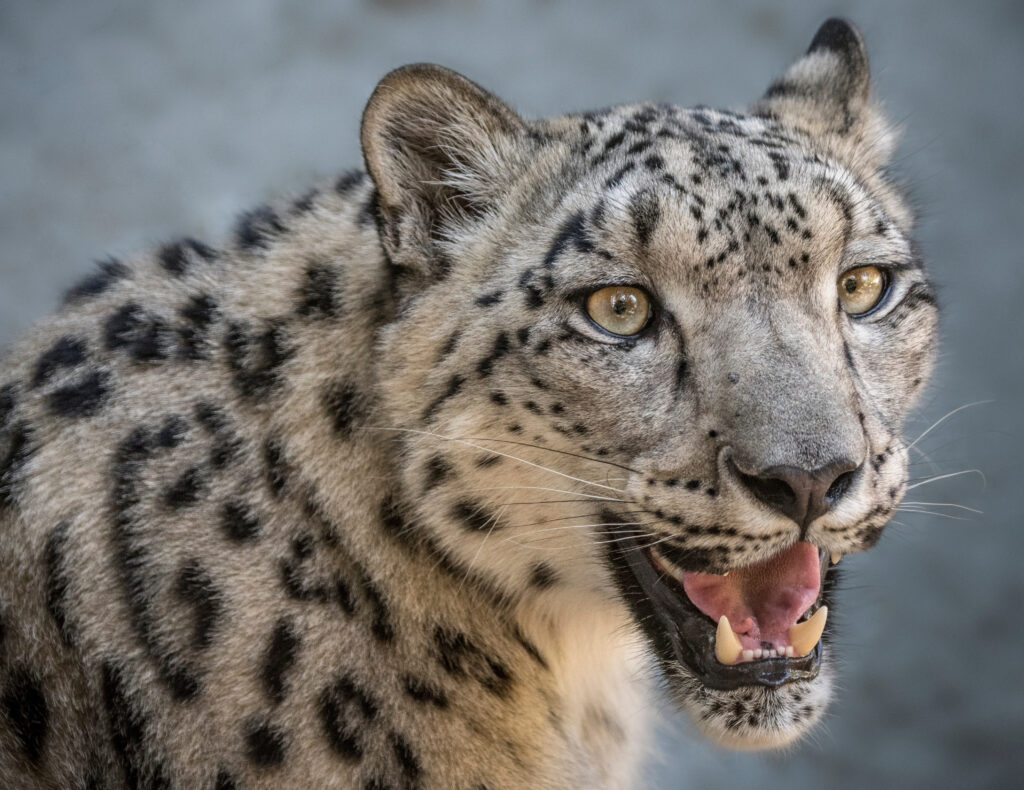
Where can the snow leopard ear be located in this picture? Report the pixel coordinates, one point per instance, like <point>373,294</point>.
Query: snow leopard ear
<point>440,150</point>
<point>826,91</point>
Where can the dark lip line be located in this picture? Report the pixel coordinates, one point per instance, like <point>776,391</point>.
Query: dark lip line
<point>682,633</point>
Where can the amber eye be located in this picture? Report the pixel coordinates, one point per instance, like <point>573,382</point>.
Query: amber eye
<point>861,289</point>
<point>620,309</point>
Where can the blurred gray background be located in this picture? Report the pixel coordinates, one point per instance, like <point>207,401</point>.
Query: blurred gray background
<point>127,123</point>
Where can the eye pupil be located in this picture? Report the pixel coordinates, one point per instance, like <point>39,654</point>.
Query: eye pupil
<point>850,285</point>
<point>623,303</point>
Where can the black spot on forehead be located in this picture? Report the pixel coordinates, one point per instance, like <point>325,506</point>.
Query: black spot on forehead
<point>645,212</point>
<point>572,231</point>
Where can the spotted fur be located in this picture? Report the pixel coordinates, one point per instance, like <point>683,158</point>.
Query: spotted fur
<point>328,505</point>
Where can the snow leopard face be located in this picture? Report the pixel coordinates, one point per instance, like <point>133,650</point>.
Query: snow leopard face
<point>657,359</point>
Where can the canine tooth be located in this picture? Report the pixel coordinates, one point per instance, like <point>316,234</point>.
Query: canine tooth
<point>727,644</point>
<point>804,636</point>
<point>835,557</point>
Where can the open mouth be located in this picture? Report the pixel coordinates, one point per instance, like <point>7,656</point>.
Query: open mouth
<point>759,625</point>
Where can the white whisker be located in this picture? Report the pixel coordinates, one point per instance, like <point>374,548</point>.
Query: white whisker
<point>626,533</point>
<point>935,479</point>
<point>495,452</point>
<point>550,450</point>
<point>943,504</point>
<point>931,513</point>
<point>567,526</point>
<point>943,418</point>
<point>552,490</point>
<point>493,521</point>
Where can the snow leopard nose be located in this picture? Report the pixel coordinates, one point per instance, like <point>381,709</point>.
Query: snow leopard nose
<point>800,494</point>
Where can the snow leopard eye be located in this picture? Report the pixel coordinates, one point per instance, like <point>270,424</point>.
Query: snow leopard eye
<point>620,309</point>
<point>863,289</point>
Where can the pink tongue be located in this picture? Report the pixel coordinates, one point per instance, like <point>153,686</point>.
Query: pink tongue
<point>761,601</point>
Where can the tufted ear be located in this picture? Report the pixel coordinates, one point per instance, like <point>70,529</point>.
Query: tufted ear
<point>441,151</point>
<point>826,91</point>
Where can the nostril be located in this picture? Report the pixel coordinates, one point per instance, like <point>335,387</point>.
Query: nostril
<point>772,491</point>
<point>839,487</point>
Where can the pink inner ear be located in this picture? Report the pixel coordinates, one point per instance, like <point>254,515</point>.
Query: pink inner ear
<point>764,600</point>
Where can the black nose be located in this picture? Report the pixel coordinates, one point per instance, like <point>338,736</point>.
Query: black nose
<point>801,494</point>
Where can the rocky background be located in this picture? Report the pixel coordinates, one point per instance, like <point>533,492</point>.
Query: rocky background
<point>127,123</point>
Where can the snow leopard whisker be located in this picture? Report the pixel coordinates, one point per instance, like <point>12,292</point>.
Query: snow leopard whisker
<point>945,417</point>
<point>533,542</point>
<point>936,478</point>
<point>492,521</point>
<point>553,501</point>
<point>564,526</point>
<point>552,450</point>
<point>919,512</point>
<point>495,452</point>
<point>542,488</point>
<point>583,526</point>
<point>942,504</point>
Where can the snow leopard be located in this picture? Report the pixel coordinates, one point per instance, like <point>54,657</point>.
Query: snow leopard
<point>445,472</point>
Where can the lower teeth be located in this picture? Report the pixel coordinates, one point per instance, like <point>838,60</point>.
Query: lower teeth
<point>804,636</point>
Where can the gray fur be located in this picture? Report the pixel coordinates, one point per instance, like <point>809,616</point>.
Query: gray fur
<point>319,508</point>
